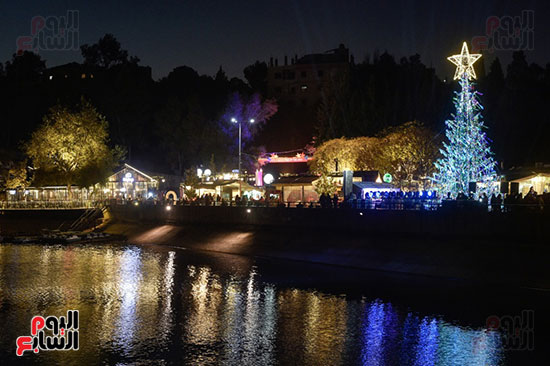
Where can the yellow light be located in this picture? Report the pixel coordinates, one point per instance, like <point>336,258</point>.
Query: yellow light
<point>464,63</point>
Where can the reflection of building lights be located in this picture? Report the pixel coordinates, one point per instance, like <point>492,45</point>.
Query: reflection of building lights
<point>106,190</point>
<point>168,208</point>
<point>268,178</point>
<point>123,189</point>
<point>12,191</point>
<point>136,203</point>
<point>248,210</point>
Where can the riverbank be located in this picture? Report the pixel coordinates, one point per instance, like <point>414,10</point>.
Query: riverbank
<point>480,261</point>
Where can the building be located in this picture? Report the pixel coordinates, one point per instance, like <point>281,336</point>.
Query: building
<point>131,183</point>
<point>301,81</point>
<point>228,189</point>
<point>522,179</point>
<point>295,189</point>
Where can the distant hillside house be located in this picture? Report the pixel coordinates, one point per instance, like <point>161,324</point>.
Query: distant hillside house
<point>302,81</point>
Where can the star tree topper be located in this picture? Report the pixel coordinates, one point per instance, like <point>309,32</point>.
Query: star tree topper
<point>464,63</point>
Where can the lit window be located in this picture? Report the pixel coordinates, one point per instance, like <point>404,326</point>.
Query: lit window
<point>304,87</point>
<point>83,76</point>
<point>51,77</point>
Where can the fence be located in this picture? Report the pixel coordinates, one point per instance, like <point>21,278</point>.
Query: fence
<point>38,205</point>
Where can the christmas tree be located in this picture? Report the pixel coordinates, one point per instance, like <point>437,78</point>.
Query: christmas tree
<point>467,156</point>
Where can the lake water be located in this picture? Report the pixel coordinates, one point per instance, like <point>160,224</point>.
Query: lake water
<point>151,305</point>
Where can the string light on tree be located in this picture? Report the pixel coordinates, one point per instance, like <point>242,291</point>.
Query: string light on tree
<point>467,156</point>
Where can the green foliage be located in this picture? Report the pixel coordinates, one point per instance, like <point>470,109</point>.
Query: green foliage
<point>407,152</point>
<point>15,175</point>
<point>191,181</point>
<point>106,53</point>
<point>70,147</point>
<point>349,154</point>
<point>325,184</point>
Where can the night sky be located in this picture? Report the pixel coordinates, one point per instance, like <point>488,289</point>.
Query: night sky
<point>207,34</point>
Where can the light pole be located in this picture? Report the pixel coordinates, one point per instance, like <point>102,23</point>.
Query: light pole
<point>234,120</point>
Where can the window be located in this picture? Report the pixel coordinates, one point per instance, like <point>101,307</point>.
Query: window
<point>303,74</point>
<point>289,75</point>
<point>292,90</point>
<point>303,87</point>
<point>278,89</point>
<point>83,76</point>
<point>320,73</point>
<point>277,75</point>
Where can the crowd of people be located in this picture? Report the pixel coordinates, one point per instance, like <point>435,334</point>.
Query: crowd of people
<point>391,200</point>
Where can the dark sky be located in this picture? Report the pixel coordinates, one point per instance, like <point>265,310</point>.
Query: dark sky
<point>206,34</point>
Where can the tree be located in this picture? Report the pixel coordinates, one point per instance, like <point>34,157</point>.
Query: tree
<point>191,182</point>
<point>181,128</point>
<point>467,156</point>
<point>106,53</point>
<point>326,185</point>
<point>71,146</point>
<point>337,155</point>
<point>25,67</point>
<point>407,152</point>
<point>256,75</point>
<point>14,175</point>
<point>244,109</point>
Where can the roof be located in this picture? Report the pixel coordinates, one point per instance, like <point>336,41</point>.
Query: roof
<point>128,166</point>
<point>521,173</point>
<point>373,185</point>
<point>296,180</point>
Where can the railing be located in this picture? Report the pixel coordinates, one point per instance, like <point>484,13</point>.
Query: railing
<point>41,205</point>
<point>389,205</point>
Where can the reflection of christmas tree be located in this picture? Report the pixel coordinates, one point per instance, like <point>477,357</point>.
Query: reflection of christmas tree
<point>467,156</point>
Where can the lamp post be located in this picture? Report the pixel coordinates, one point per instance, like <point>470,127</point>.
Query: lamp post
<point>234,120</point>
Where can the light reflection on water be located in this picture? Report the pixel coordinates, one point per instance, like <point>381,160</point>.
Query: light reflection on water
<point>150,305</point>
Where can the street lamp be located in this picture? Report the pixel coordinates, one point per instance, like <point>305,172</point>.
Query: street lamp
<point>234,120</point>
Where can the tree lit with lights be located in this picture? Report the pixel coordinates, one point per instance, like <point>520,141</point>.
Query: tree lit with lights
<point>71,147</point>
<point>467,156</point>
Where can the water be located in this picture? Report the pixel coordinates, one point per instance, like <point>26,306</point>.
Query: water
<point>150,305</point>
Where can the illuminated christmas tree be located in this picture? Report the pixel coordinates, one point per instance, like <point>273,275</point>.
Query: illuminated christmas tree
<point>467,156</point>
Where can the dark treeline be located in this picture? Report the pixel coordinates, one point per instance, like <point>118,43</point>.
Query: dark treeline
<point>381,93</point>
<point>174,123</point>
